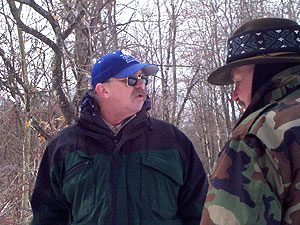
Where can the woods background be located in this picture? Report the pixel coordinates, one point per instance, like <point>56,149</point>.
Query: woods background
<point>47,49</point>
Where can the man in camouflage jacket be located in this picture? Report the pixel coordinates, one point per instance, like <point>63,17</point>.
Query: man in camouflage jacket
<point>256,179</point>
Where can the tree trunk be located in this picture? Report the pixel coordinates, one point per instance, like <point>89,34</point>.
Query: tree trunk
<point>27,131</point>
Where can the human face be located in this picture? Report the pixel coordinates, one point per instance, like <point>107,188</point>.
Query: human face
<point>242,77</point>
<point>126,100</point>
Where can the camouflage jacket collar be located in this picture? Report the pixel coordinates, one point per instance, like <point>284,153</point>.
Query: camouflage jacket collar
<point>268,95</point>
<point>283,84</point>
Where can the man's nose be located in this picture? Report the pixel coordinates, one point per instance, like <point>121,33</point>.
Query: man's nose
<point>140,84</point>
<point>235,95</point>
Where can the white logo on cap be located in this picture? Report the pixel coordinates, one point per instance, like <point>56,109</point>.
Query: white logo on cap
<point>127,57</point>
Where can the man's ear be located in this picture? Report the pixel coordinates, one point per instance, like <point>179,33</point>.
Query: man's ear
<point>102,90</point>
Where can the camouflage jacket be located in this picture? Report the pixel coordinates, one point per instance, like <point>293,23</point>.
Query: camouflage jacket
<point>256,179</point>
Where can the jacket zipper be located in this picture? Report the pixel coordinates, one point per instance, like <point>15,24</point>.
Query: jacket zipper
<point>88,162</point>
<point>112,176</point>
<point>123,125</point>
<point>113,189</point>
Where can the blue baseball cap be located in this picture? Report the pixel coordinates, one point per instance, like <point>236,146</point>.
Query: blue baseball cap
<point>118,64</point>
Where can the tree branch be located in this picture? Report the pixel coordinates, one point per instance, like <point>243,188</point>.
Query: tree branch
<point>28,29</point>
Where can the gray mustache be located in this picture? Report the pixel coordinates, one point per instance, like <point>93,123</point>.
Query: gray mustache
<point>138,92</point>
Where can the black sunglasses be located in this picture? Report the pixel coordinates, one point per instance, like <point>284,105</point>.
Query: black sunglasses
<point>132,80</point>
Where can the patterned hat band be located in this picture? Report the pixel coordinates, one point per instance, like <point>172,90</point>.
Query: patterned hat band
<point>260,42</point>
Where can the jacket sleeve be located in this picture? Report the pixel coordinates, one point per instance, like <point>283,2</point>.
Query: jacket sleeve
<point>47,202</point>
<point>239,192</point>
<point>193,192</point>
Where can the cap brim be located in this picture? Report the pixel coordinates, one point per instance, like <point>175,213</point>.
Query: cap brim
<point>222,75</point>
<point>148,69</point>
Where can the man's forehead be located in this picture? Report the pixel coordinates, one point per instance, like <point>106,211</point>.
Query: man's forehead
<point>242,71</point>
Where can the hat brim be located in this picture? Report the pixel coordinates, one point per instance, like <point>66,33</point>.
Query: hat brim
<point>222,75</point>
<point>148,69</point>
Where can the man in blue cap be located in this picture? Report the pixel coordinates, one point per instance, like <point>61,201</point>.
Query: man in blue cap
<point>116,165</point>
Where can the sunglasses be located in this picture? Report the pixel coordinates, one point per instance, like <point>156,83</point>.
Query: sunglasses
<point>132,80</point>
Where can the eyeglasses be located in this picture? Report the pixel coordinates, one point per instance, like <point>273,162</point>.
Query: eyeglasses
<point>133,79</point>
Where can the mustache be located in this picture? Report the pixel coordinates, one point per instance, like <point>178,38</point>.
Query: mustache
<point>138,92</point>
<point>241,103</point>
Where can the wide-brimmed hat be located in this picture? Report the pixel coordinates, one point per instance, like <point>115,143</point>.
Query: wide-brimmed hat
<point>118,64</point>
<point>260,41</point>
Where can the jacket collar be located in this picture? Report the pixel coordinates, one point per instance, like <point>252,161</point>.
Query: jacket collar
<point>283,84</point>
<point>269,94</point>
<point>91,121</point>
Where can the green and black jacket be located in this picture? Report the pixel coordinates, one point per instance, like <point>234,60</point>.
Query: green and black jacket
<point>146,174</point>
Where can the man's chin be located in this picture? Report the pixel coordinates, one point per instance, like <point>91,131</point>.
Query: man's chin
<point>242,104</point>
